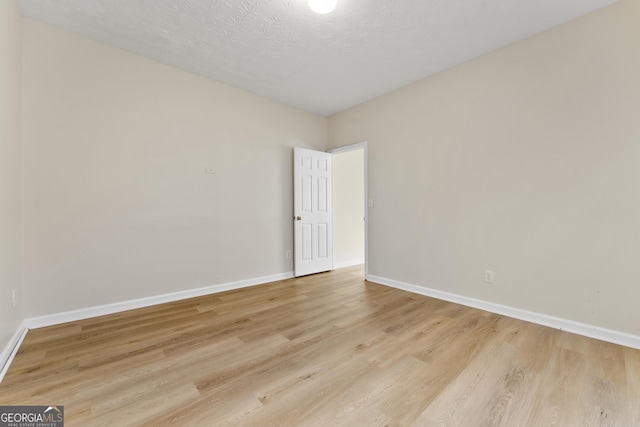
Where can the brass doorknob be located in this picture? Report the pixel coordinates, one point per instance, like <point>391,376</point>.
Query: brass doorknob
<point>299,218</point>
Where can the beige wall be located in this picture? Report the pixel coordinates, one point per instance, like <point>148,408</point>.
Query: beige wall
<point>117,202</point>
<point>524,161</point>
<point>10,165</point>
<point>348,208</point>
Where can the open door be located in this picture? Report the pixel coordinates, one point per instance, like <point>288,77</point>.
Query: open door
<point>313,246</point>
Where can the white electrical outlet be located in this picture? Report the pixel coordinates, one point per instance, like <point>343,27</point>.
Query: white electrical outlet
<point>14,297</point>
<point>488,276</point>
<point>288,255</point>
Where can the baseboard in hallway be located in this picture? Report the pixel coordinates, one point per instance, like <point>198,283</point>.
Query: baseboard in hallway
<point>345,264</point>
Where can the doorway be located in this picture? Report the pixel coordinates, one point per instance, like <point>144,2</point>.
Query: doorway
<point>350,206</point>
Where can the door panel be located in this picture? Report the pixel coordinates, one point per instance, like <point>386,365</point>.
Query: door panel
<point>307,240</point>
<point>312,212</point>
<point>323,251</point>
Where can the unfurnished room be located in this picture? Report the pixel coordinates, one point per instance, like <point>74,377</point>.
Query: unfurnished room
<point>320,213</point>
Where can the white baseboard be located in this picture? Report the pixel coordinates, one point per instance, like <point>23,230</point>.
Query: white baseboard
<point>603,334</point>
<point>590,331</point>
<point>85,313</point>
<point>101,310</point>
<point>10,350</point>
<point>345,264</point>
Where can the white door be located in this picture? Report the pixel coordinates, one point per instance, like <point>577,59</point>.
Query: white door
<point>313,246</point>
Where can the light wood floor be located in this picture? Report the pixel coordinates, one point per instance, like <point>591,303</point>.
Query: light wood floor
<point>328,349</point>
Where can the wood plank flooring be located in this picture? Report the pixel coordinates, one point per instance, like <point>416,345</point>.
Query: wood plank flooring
<point>323,350</point>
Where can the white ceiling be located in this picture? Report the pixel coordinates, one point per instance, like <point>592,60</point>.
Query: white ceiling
<point>321,63</point>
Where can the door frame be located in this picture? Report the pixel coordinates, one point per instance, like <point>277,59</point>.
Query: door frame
<point>353,147</point>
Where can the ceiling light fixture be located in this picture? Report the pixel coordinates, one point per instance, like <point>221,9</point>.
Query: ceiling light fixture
<point>322,6</point>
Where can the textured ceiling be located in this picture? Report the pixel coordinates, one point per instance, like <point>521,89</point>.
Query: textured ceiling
<point>321,63</point>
